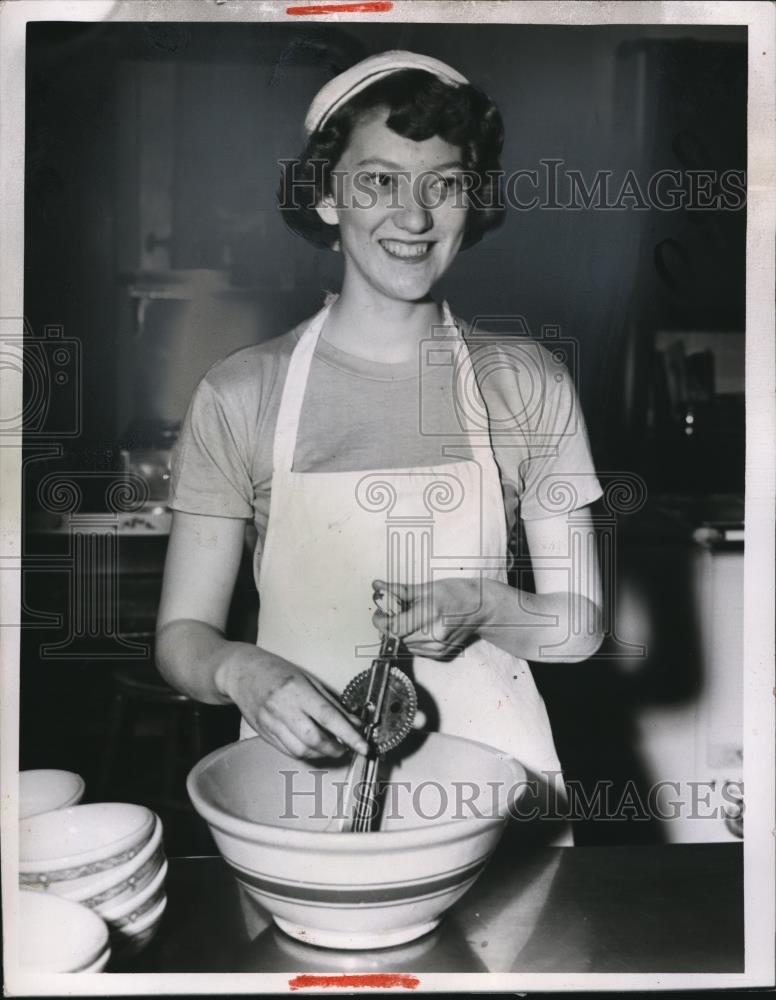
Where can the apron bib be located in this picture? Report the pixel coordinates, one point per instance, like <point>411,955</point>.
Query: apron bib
<point>330,534</point>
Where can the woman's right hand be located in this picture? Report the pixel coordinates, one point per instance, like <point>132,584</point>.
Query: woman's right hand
<point>287,707</point>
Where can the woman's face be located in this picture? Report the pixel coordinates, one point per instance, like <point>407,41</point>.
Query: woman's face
<point>400,208</point>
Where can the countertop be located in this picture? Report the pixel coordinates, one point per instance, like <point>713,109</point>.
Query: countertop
<point>626,909</point>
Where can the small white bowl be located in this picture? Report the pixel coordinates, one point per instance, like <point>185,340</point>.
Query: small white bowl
<point>132,938</point>
<point>126,911</point>
<point>57,935</point>
<point>44,790</point>
<point>119,883</point>
<point>80,841</point>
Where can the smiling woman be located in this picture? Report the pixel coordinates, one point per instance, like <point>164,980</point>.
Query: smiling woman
<point>380,447</point>
<point>414,104</point>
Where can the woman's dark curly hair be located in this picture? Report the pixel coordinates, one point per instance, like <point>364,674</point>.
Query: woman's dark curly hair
<point>420,106</point>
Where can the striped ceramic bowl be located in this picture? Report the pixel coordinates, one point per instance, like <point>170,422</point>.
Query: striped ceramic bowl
<point>74,845</point>
<point>116,886</point>
<point>133,922</point>
<point>446,800</point>
<point>134,934</point>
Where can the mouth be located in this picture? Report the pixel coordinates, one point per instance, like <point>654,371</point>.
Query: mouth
<point>410,252</point>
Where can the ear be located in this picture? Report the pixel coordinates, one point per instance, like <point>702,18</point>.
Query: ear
<point>326,210</point>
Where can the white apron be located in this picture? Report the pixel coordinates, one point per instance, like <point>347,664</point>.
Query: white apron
<point>330,534</point>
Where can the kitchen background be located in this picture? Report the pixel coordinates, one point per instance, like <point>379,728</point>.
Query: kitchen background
<point>153,247</point>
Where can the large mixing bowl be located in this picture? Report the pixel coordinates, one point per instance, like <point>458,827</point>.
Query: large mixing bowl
<point>444,810</point>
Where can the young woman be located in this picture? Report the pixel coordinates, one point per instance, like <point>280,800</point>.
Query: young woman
<point>375,450</point>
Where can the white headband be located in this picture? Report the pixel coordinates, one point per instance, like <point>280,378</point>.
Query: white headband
<point>345,86</point>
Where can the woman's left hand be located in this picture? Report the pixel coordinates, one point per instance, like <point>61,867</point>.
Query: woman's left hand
<point>436,620</point>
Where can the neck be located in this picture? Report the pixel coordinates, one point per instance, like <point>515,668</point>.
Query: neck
<point>378,328</point>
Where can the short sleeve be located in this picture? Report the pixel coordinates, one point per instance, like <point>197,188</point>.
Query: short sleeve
<point>209,472</point>
<point>558,475</point>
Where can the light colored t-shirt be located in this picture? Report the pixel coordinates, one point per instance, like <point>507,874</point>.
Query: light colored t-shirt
<point>363,415</point>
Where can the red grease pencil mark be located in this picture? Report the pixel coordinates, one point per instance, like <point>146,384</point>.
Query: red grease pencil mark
<point>370,7</point>
<point>380,980</point>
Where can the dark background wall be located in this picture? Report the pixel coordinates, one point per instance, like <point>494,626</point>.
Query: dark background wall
<point>599,99</point>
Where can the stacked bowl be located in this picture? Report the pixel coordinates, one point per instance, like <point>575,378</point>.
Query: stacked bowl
<point>106,858</point>
<point>59,936</point>
<point>46,789</point>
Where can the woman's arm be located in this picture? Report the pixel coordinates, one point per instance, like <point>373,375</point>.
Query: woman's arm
<point>278,699</point>
<point>560,623</point>
<point>567,580</point>
<point>203,558</point>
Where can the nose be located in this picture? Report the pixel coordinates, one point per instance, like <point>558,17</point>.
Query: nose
<point>414,219</point>
<point>413,216</point>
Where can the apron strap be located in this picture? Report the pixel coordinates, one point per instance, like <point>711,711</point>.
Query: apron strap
<point>468,397</point>
<point>290,410</point>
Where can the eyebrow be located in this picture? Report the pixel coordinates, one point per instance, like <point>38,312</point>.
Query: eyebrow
<point>396,166</point>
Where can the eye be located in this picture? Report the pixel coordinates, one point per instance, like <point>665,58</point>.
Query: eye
<point>444,187</point>
<point>380,179</point>
<point>452,183</point>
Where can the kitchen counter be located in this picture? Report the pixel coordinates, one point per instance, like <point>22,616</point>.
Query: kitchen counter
<point>626,909</point>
